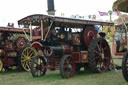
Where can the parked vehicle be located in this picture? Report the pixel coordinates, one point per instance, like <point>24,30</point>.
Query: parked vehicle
<point>12,40</point>
<point>67,44</point>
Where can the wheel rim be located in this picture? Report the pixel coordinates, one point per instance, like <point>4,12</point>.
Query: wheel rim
<point>26,57</point>
<point>69,67</point>
<point>37,66</point>
<point>102,56</point>
<point>1,65</point>
<point>126,65</point>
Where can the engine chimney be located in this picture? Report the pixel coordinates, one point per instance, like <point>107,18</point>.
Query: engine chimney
<point>51,10</point>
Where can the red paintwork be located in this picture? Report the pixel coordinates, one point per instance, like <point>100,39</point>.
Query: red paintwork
<point>37,31</point>
<point>76,57</point>
<point>9,61</point>
<point>20,43</point>
<point>53,62</point>
<point>116,54</point>
<point>9,46</point>
<point>67,49</point>
<point>89,34</point>
<point>48,54</point>
<point>37,45</point>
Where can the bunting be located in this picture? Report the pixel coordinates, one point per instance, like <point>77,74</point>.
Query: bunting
<point>116,13</point>
<point>106,13</point>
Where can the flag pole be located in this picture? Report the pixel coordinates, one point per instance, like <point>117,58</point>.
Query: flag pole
<point>110,13</point>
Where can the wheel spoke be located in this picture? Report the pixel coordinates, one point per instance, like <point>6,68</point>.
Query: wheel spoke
<point>27,64</point>
<point>24,64</point>
<point>31,54</point>
<point>28,51</point>
<point>23,60</point>
<point>105,48</point>
<point>99,49</point>
<point>97,54</point>
<point>100,65</point>
<point>24,56</point>
<point>67,61</point>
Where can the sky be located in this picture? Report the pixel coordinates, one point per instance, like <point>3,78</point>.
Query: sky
<point>14,10</point>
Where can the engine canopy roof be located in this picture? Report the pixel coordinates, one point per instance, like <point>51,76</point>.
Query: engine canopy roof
<point>35,20</point>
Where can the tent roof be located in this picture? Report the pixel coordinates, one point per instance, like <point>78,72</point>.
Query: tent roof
<point>121,5</point>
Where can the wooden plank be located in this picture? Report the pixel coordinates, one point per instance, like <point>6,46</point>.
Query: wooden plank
<point>12,29</point>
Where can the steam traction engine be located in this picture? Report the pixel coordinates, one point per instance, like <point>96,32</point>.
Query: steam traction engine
<point>11,42</point>
<point>67,44</point>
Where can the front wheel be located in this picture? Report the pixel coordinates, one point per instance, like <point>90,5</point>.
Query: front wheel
<point>37,66</point>
<point>67,66</point>
<point>25,57</point>
<point>125,66</point>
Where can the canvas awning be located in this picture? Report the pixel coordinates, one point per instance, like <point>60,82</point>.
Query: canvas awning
<point>120,5</point>
<point>35,20</point>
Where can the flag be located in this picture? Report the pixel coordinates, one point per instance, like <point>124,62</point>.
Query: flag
<point>103,13</point>
<point>116,13</point>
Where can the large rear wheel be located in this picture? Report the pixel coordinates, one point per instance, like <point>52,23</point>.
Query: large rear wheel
<point>99,55</point>
<point>125,66</point>
<point>67,66</point>
<point>37,66</point>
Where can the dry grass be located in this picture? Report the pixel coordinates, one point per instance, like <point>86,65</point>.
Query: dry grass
<point>53,78</point>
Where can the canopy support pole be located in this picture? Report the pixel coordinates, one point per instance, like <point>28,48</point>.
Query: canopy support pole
<point>42,30</point>
<point>48,30</point>
<point>30,31</point>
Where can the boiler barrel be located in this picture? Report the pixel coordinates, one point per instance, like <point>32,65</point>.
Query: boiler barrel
<point>57,50</point>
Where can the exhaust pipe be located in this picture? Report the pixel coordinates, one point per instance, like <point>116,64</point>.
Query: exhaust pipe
<point>51,10</point>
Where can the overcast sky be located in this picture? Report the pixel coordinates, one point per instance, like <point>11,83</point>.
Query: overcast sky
<point>13,10</point>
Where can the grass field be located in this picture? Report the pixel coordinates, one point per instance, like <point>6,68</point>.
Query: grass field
<point>54,78</point>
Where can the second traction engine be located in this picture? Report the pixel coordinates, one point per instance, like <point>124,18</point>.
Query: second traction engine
<point>10,44</point>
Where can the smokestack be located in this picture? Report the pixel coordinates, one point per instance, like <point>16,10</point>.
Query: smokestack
<point>51,10</point>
